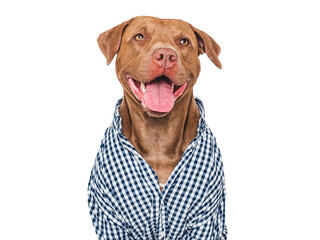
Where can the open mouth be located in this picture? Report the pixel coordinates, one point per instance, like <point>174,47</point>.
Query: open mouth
<point>158,95</point>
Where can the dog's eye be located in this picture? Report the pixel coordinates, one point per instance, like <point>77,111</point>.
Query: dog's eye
<point>139,37</point>
<point>184,42</point>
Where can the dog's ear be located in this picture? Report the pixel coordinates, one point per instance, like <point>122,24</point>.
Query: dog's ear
<point>109,41</point>
<point>209,46</point>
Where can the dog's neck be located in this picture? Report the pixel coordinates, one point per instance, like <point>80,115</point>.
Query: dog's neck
<point>160,139</point>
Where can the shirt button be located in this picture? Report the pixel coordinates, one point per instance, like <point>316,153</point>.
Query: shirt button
<point>162,234</point>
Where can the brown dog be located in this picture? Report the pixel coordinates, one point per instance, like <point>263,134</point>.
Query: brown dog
<point>157,64</point>
<point>158,173</point>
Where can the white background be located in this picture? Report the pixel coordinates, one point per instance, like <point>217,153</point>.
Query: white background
<point>57,97</point>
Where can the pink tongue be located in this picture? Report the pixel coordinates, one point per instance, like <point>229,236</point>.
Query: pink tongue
<point>159,96</point>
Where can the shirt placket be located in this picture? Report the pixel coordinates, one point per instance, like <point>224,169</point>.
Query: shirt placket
<point>162,222</point>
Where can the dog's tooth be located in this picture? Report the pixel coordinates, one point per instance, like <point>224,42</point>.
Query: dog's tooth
<point>172,87</point>
<point>142,87</point>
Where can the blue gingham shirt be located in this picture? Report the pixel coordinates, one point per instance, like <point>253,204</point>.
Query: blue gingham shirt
<point>125,200</point>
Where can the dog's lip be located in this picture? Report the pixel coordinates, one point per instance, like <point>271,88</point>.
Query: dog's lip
<point>140,86</point>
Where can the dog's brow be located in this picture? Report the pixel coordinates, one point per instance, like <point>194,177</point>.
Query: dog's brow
<point>141,29</point>
<point>184,35</point>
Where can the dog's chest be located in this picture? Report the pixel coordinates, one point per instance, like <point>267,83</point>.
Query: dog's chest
<point>162,165</point>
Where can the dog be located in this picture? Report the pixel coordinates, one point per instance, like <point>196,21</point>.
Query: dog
<point>158,173</point>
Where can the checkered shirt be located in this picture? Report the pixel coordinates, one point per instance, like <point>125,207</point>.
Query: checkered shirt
<point>125,200</point>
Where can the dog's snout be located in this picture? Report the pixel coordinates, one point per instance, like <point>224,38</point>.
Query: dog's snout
<point>165,57</point>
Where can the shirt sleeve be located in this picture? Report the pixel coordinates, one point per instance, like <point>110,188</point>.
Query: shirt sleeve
<point>107,223</point>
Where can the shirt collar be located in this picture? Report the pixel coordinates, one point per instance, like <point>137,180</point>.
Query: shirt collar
<point>117,123</point>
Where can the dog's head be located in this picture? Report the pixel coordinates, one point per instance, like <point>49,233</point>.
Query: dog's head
<point>157,59</point>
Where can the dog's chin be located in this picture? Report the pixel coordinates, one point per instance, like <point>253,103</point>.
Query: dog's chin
<point>154,114</point>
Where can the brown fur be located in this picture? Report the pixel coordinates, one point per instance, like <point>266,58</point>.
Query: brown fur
<point>161,139</point>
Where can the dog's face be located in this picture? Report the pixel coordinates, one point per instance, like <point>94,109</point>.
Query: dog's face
<point>157,59</point>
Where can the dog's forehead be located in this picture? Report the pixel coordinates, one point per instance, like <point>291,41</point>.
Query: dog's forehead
<point>156,25</point>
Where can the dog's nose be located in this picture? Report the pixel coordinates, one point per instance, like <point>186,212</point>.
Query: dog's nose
<point>165,57</point>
